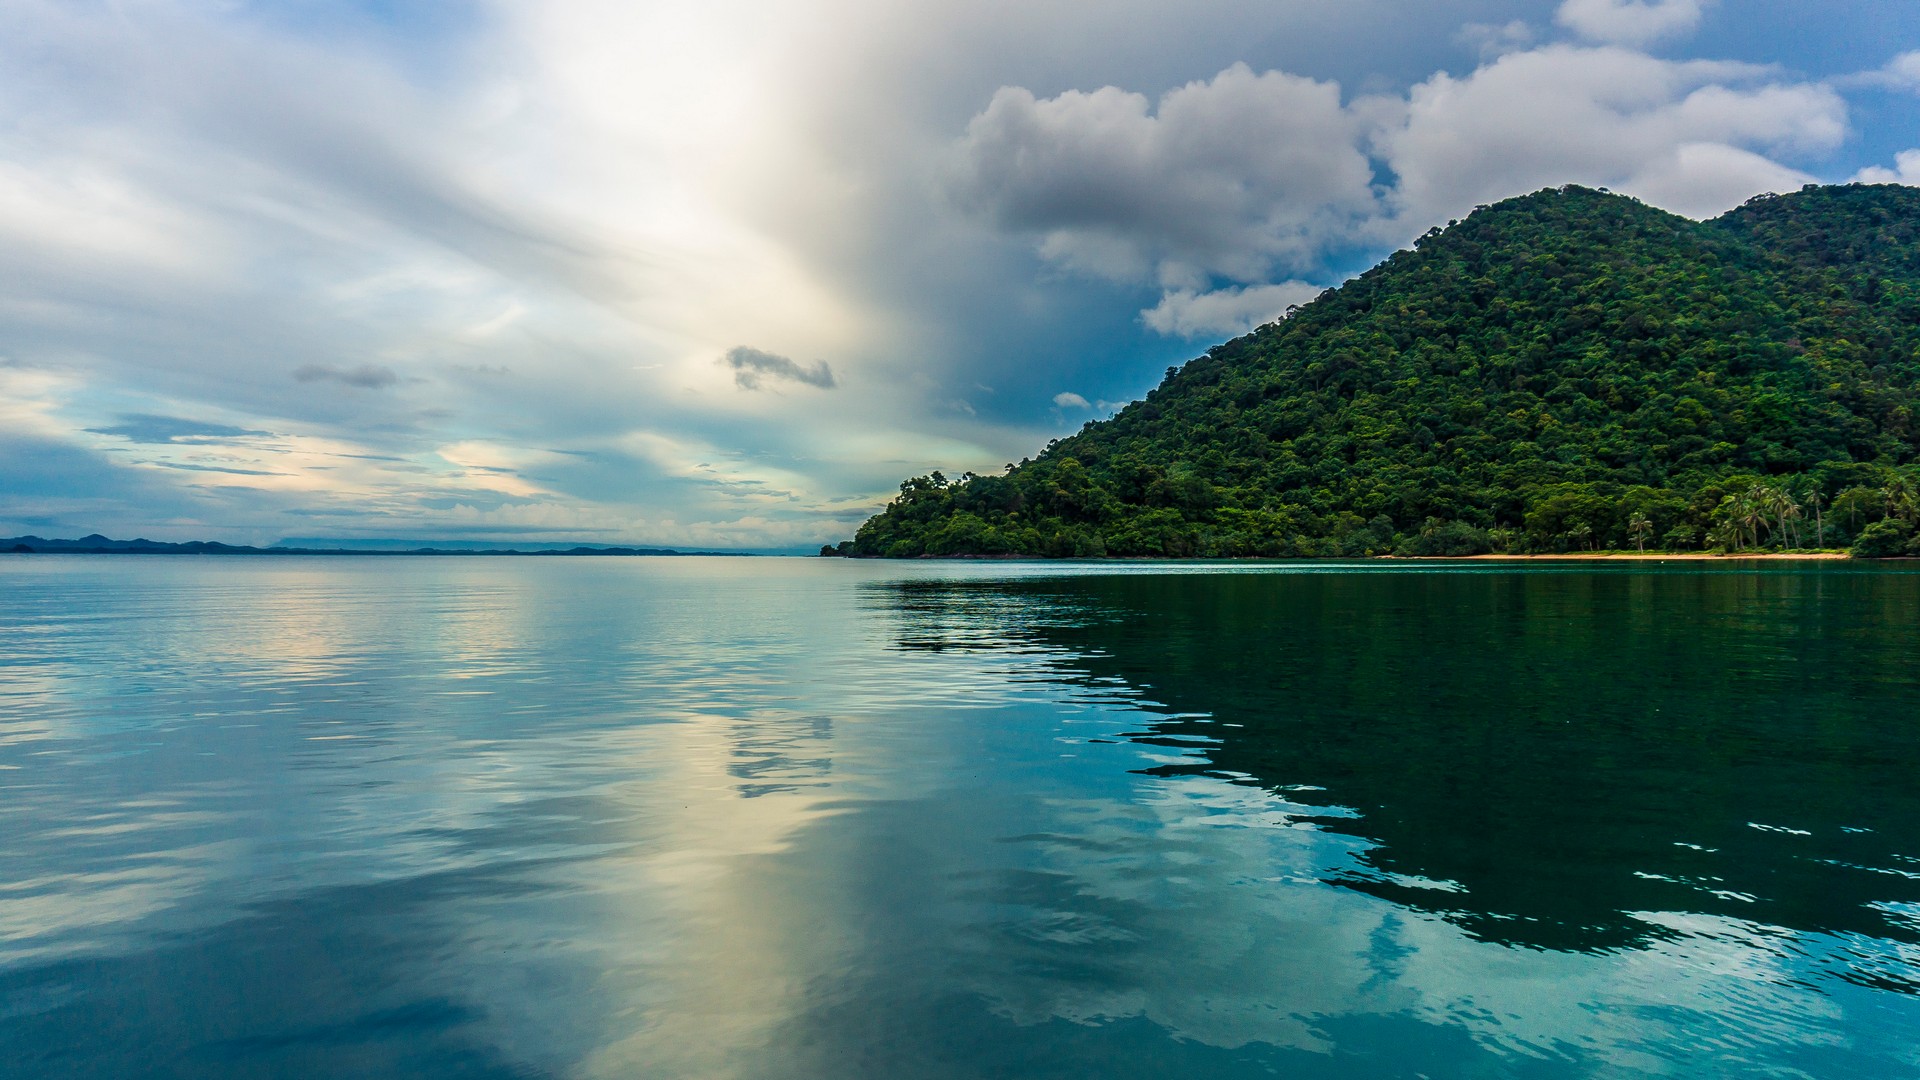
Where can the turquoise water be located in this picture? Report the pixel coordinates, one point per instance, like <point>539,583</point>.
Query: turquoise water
<point>816,818</point>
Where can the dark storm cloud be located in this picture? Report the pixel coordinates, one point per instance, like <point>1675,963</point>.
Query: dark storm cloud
<point>750,366</point>
<point>150,428</point>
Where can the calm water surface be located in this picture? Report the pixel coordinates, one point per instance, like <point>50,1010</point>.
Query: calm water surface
<point>823,819</point>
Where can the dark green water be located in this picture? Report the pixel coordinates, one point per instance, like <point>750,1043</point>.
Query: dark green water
<point>812,818</point>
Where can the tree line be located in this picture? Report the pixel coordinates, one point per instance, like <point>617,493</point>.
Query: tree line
<point>1871,511</point>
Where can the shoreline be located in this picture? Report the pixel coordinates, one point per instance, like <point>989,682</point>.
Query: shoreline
<point>1580,556</point>
<point>1635,556</point>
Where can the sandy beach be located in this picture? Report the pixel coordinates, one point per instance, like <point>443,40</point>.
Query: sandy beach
<point>1652,556</point>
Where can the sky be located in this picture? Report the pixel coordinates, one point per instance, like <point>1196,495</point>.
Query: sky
<point>722,273</point>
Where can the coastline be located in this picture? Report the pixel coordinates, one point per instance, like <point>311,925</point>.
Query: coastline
<point>1580,556</point>
<point>1684,556</point>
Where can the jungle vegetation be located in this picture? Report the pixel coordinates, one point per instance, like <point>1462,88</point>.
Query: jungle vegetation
<point>1565,371</point>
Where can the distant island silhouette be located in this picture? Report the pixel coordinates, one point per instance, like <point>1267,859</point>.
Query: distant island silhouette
<point>96,544</point>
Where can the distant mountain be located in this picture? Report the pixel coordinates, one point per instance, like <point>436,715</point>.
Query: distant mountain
<point>95,544</point>
<point>1566,370</point>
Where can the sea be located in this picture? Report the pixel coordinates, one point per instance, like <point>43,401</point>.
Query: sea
<point>659,817</point>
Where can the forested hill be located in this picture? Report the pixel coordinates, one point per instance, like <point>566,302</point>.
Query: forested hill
<point>1567,370</point>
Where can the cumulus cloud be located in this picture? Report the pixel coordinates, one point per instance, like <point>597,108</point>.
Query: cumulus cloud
<point>1906,170</point>
<point>1669,131</point>
<point>1900,73</point>
<point>1630,22</point>
<point>1903,71</point>
<point>751,367</point>
<point>1225,312</point>
<point>152,428</point>
<point>1067,399</point>
<point>1226,177</point>
<point>1700,180</point>
<point>1227,181</point>
<point>364,377</point>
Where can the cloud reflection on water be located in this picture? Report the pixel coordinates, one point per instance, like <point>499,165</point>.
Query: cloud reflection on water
<point>768,818</point>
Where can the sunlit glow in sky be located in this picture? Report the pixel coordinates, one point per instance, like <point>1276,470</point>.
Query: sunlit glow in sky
<point>722,273</point>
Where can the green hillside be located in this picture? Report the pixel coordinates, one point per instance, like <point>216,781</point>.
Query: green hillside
<point>1564,371</point>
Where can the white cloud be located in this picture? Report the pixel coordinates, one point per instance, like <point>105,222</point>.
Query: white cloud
<point>1228,177</point>
<point>1195,193</point>
<point>1700,180</point>
<point>1067,399</point>
<point>1630,22</point>
<point>1225,312</point>
<point>1906,170</point>
<point>1903,71</point>
<point>1900,73</point>
<point>1683,134</point>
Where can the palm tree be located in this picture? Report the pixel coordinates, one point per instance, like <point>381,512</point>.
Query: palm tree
<point>1899,495</point>
<point>1582,533</point>
<point>1790,517</point>
<point>1768,505</point>
<point>1779,502</point>
<point>1811,497</point>
<point>1641,528</point>
<point>1749,512</point>
<point>1730,516</point>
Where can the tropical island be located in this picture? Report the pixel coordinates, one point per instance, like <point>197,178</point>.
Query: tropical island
<point>1567,372</point>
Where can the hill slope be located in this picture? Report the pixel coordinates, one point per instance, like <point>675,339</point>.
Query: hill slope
<point>1563,370</point>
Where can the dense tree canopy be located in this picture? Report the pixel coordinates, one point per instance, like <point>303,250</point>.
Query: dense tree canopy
<point>1567,370</point>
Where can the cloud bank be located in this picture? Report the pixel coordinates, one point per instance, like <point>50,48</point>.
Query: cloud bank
<point>1246,174</point>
